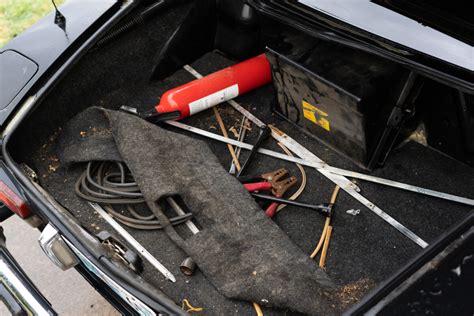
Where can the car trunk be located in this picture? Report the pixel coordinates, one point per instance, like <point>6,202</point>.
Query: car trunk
<point>364,250</point>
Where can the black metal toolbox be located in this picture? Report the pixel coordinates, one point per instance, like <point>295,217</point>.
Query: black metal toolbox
<point>352,101</point>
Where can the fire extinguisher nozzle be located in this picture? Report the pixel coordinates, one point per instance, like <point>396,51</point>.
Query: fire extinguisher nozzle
<point>152,115</point>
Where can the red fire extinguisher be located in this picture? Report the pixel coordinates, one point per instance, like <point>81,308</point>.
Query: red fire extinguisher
<point>215,88</point>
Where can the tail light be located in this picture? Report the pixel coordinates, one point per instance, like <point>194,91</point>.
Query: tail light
<point>13,201</point>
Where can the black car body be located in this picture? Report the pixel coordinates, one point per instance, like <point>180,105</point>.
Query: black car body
<point>37,63</point>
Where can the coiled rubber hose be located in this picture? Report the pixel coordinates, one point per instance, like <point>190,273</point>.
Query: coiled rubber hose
<point>111,184</point>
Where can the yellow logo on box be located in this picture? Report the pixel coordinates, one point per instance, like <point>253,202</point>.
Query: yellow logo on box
<point>316,115</point>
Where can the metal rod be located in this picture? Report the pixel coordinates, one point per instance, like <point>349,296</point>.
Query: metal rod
<point>231,141</point>
<point>343,182</point>
<point>133,242</point>
<point>304,153</point>
<point>192,71</point>
<point>402,186</point>
<point>334,170</point>
<point>322,208</point>
<point>180,212</point>
<point>337,180</point>
<point>234,104</point>
<point>188,265</point>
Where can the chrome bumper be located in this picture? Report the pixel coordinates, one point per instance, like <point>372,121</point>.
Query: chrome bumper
<point>16,289</point>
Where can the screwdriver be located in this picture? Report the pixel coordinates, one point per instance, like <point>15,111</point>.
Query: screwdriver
<point>324,209</point>
<point>265,132</point>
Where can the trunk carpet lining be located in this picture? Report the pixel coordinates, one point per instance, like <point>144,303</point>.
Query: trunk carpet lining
<point>364,250</point>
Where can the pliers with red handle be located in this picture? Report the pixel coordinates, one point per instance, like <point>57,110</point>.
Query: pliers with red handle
<point>278,188</point>
<point>262,182</point>
<point>258,186</point>
<point>269,176</point>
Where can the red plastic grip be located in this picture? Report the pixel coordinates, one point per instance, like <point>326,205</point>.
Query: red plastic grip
<point>258,186</point>
<point>272,209</point>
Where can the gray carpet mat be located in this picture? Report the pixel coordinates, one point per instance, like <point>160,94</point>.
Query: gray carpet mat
<point>241,251</point>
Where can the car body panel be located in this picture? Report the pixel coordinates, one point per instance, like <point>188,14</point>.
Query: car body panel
<point>327,27</point>
<point>46,44</point>
<point>397,28</point>
<point>17,70</point>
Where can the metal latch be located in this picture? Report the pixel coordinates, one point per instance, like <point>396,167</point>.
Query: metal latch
<point>125,255</point>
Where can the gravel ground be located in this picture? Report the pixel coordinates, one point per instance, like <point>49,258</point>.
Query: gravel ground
<point>67,291</point>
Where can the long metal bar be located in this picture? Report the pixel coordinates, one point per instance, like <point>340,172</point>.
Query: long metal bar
<point>271,153</point>
<point>180,211</point>
<point>335,170</point>
<point>133,242</point>
<point>227,140</point>
<point>321,165</point>
<point>246,113</point>
<point>402,186</point>
<point>304,153</point>
<point>193,228</point>
<point>234,104</point>
<point>343,182</point>
<point>324,209</point>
